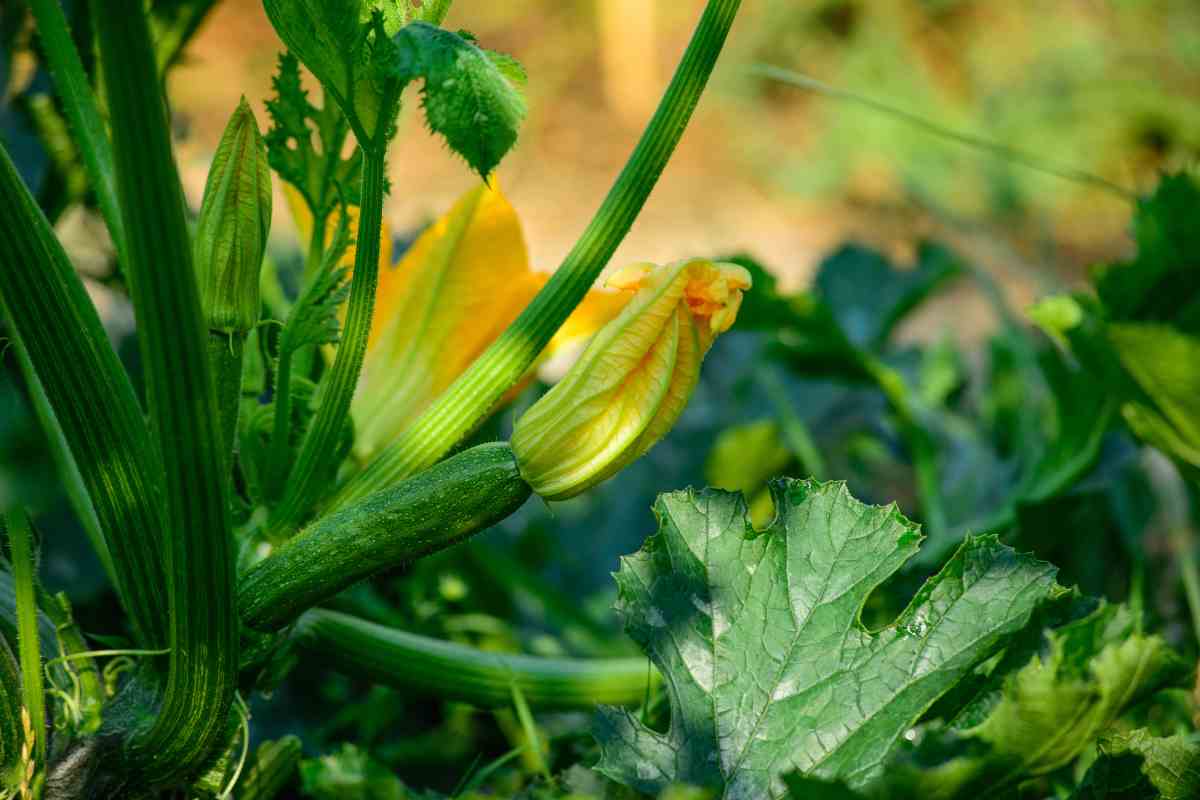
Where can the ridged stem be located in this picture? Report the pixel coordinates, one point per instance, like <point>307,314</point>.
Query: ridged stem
<point>477,391</point>
<point>93,401</point>
<point>302,487</point>
<point>79,105</point>
<point>202,622</point>
<point>467,674</point>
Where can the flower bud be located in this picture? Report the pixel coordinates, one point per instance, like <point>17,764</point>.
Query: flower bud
<point>235,218</point>
<point>633,380</point>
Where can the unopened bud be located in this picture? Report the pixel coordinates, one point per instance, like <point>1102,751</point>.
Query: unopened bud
<point>633,380</point>
<point>235,218</point>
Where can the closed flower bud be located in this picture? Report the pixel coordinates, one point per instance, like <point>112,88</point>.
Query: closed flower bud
<point>235,218</point>
<point>633,380</point>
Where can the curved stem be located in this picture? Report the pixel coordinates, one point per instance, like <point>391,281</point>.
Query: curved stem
<point>458,672</point>
<point>476,392</point>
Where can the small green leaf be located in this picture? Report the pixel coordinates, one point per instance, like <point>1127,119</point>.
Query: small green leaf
<point>349,774</point>
<point>314,318</point>
<point>1165,364</point>
<point>304,145</point>
<point>767,667</point>
<point>330,38</point>
<point>470,96</point>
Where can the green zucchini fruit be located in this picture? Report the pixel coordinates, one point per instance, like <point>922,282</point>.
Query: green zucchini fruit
<point>428,512</point>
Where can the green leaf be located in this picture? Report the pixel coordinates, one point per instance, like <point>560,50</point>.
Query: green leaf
<point>868,295</point>
<point>1163,283</point>
<point>1046,714</point>
<point>1165,365</point>
<point>803,787</point>
<point>349,774</point>
<point>757,635</point>
<point>331,38</point>
<point>304,145</point>
<point>470,96</point>
<point>314,318</point>
<point>1139,764</point>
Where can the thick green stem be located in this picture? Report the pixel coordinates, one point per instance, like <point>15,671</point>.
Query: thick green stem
<point>477,391</point>
<point>79,105</point>
<point>337,389</point>
<point>29,648</point>
<point>225,355</point>
<point>91,396</point>
<point>458,672</point>
<point>202,621</point>
<point>457,498</point>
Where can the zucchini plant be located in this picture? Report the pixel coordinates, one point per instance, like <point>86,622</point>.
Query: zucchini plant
<point>290,445</point>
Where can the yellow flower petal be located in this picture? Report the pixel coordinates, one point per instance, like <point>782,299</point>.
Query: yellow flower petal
<point>461,284</point>
<point>463,281</point>
<point>633,381</point>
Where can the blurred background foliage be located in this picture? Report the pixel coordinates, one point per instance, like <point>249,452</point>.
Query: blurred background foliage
<point>885,343</point>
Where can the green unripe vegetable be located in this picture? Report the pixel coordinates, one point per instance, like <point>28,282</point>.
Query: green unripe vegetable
<point>235,218</point>
<point>450,501</point>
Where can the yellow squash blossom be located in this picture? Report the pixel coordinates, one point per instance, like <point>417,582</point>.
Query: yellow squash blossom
<point>633,380</point>
<point>463,281</point>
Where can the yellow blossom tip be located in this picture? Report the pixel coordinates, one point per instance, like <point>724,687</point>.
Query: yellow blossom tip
<point>632,382</point>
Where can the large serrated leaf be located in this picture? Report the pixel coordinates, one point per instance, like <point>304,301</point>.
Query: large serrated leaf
<point>758,638</point>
